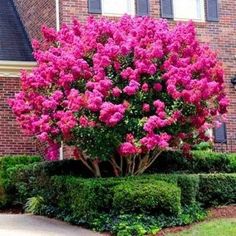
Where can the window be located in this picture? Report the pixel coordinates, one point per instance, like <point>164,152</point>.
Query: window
<point>118,7</point>
<point>189,9</point>
<point>220,134</point>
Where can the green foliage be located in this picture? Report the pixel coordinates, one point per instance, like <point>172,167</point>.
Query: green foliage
<point>145,224</point>
<point>156,196</point>
<point>8,163</point>
<point>30,179</point>
<point>217,189</point>
<point>124,206</point>
<point>34,205</point>
<point>87,197</point>
<point>102,140</point>
<point>199,162</point>
<point>211,162</point>
<point>203,146</point>
<point>126,224</point>
<point>188,183</point>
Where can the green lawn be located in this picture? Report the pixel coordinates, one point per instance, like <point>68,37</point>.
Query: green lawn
<point>220,227</point>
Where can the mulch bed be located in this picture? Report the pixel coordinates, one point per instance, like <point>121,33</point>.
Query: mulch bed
<point>214,213</point>
<point>223,212</point>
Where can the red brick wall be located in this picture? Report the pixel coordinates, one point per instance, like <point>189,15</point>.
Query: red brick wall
<point>12,141</point>
<point>36,13</point>
<point>220,35</point>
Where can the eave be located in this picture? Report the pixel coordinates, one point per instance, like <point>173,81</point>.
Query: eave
<point>14,68</point>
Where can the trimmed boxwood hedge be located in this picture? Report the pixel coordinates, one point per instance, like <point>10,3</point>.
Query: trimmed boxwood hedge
<point>82,199</point>
<point>31,180</point>
<point>32,177</point>
<point>7,163</point>
<point>217,189</point>
<point>59,191</point>
<point>199,162</point>
<point>156,196</point>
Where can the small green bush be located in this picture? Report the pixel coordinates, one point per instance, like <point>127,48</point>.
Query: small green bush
<point>203,146</point>
<point>34,205</point>
<point>156,196</point>
<point>217,189</point>
<point>84,198</point>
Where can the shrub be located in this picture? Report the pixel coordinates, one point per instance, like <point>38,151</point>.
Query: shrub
<point>82,201</point>
<point>210,162</point>
<point>34,205</point>
<point>30,179</point>
<point>186,182</point>
<point>217,189</point>
<point>203,146</point>
<point>156,196</point>
<point>121,91</point>
<point>6,164</point>
<point>189,185</point>
<point>199,162</point>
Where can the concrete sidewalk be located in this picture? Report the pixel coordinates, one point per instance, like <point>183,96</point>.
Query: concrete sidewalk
<point>29,225</point>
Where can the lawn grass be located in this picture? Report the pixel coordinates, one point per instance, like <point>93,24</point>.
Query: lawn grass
<point>219,227</point>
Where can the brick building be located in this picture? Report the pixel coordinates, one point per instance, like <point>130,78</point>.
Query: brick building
<point>215,21</point>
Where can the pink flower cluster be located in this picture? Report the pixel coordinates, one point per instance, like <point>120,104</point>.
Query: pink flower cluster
<point>111,114</point>
<point>134,71</point>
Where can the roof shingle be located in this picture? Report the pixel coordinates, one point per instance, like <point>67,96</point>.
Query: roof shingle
<point>14,43</point>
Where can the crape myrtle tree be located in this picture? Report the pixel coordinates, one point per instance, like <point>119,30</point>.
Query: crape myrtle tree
<point>121,91</point>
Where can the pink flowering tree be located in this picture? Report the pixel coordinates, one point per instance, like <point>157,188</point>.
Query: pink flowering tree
<point>121,92</point>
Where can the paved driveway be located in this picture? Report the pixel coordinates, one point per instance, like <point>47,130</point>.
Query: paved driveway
<point>28,225</point>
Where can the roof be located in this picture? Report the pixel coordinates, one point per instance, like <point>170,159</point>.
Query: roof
<point>14,43</point>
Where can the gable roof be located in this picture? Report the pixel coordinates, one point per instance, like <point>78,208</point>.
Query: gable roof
<point>14,43</point>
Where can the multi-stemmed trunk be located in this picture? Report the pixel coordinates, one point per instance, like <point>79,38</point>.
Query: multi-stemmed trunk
<point>122,166</point>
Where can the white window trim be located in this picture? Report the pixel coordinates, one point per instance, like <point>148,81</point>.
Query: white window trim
<point>202,12</point>
<point>131,9</point>
<point>14,68</point>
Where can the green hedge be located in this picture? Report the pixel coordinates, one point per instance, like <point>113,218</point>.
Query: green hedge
<point>217,189</point>
<point>188,183</point>
<point>199,162</point>
<point>84,199</point>
<point>6,164</point>
<point>33,177</point>
<point>29,179</point>
<point>158,196</point>
<point>208,189</point>
<point>107,203</point>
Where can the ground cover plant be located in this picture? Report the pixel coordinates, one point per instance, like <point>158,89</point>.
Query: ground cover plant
<point>121,91</point>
